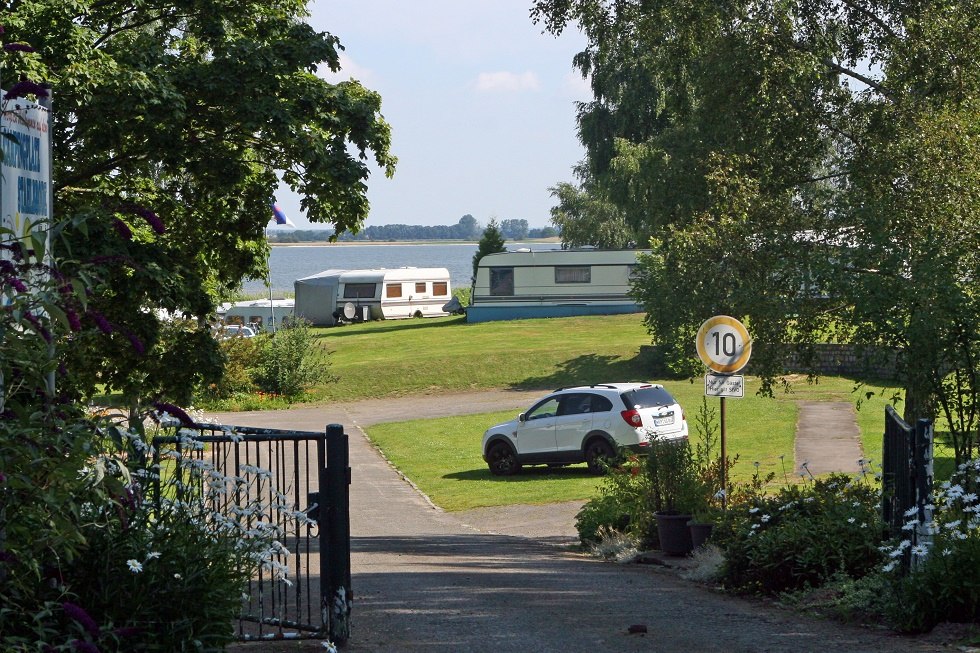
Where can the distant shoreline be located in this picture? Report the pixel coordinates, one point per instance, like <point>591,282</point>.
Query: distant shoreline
<point>354,243</point>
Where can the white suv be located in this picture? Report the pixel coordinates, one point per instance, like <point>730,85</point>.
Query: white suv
<point>584,424</point>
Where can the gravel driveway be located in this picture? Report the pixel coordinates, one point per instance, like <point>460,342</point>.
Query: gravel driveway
<point>504,580</point>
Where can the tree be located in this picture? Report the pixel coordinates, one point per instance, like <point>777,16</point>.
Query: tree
<point>514,229</point>
<point>491,242</point>
<point>810,166</point>
<point>585,219</point>
<point>165,169</point>
<point>468,227</point>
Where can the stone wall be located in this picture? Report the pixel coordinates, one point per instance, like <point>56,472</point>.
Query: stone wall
<point>830,359</point>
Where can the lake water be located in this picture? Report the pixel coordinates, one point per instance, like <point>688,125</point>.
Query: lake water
<point>294,262</point>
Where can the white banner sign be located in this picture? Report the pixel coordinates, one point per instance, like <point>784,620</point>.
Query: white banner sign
<point>719,385</point>
<point>26,182</point>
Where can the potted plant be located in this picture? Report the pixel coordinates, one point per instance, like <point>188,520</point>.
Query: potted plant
<point>676,492</point>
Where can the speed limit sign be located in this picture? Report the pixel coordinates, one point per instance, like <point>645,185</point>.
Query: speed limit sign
<point>724,344</point>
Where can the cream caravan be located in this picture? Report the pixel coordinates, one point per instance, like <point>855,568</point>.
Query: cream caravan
<point>358,295</point>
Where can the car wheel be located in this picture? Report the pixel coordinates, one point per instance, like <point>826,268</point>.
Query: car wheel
<point>598,455</point>
<point>502,460</point>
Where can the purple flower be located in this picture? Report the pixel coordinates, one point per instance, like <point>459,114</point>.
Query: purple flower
<point>122,229</point>
<point>100,321</point>
<point>84,647</point>
<point>3,477</point>
<point>17,47</point>
<point>127,631</point>
<point>152,219</point>
<point>73,322</point>
<point>1,29</point>
<point>24,87</point>
<point>79,614</point>
<point>6,556</point>
<point>174,411</point>
<point>18,285</point>
<point>136,343</point>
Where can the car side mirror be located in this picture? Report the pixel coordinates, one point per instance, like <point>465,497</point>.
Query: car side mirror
<point>522,417</point>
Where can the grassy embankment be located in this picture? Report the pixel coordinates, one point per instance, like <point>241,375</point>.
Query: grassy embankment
<point>448,355</point>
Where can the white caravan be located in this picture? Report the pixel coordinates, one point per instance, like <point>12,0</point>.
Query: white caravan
<point>358,295</point>
<point>259,313</point>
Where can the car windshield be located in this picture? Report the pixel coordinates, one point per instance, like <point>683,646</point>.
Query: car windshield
<point>647,398</point>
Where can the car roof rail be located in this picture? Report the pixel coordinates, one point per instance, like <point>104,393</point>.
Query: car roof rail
<point>594,385</point>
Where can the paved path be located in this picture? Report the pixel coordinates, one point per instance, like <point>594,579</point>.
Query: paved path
<point>426,580</point>
<point>827,437</point>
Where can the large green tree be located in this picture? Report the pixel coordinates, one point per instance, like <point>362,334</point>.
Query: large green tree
<point>810,165</point>
<point>173,123</point>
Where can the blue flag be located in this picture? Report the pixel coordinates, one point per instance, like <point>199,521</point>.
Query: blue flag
<point>279,216</point>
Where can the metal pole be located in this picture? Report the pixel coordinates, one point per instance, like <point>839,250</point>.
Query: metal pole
<point>724,460</point>
<point>47,104</point>
<point>268,280</point>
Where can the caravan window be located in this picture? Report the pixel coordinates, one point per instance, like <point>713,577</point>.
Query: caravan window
<point>573,274</point>
<point>419,286</point>
<point>393,290</point>
<point>501,281</point>
<point>440,288</point>
<point>359,290</point>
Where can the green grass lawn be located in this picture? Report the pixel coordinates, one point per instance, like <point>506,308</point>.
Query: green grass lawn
<point>443,457</point>
<point>403,357</point>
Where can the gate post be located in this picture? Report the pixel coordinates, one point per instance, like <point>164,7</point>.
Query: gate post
<point>922,464</point>
<point>337,500</point>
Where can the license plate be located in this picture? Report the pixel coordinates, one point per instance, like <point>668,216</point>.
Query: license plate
<point>663,421</point>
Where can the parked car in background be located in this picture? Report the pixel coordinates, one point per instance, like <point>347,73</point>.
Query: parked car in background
<point>589,424</point>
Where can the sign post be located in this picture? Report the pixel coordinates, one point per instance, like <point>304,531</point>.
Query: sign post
<point>724,346</point>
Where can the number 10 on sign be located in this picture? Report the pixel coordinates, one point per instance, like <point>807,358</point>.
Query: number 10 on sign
<point>723,344</point>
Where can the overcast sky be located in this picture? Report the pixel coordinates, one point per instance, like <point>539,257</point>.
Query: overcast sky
<point>481,104</point>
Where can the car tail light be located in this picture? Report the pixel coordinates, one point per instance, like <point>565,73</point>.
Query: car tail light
<point>632,417</point>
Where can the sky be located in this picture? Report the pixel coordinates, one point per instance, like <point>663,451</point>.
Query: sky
<point>480,101</point>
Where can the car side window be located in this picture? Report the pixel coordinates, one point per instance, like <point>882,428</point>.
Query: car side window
<point>547,408</point>
<point>600,404</point>
<point>576,404</point>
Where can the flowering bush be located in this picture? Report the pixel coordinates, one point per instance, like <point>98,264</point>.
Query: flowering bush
<point>944,584</point>
<point>803,536</point>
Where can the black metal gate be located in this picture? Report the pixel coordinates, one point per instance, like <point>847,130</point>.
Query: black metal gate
<point>303,495</point>
<point>906,479</point>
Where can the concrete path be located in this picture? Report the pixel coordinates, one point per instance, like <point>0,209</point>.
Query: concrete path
<point>827,438</point>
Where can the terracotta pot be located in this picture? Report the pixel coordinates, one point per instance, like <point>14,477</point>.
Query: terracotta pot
<point>675,536</point>
<point>700,533</point>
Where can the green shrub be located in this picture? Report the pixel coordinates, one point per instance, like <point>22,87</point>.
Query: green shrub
<point>463,295</point>
<point>290,361</point>
<point>619,506</point>
<point>237,376</point>
<point>803,536</point>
